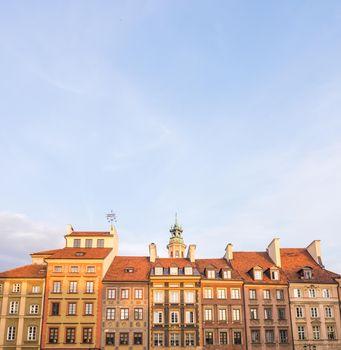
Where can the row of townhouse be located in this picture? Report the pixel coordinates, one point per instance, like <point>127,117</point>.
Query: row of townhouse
<point>86,296</point>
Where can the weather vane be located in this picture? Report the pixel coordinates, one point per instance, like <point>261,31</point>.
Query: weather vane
<point>111,217</point>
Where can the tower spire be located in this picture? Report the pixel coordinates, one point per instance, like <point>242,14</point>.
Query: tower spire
<point>176,247</point>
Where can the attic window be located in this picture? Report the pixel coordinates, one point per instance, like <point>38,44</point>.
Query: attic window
<point>257,274</point>
<point>174,270</point>
<point>307,273</point>
<point>129,269</point>
<point>80,254</point>
<point>274,274</point>
<point>210,274</point>
<point>226,274</point>
<point>188,270</point>
<point>158,270</point>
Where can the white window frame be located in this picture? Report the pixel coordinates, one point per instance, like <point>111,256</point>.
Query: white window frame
<point>32,333</point>
<point>34,309</point>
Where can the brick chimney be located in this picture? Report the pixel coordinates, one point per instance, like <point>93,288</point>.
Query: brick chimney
<point>274,252</point>
<point>152,252</point>
<point>229,252</point>
<point>191,252</point>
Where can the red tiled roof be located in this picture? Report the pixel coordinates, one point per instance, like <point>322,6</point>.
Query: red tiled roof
<point>91,233</point>
<point>81,253</point>
<point>45,252</point>
<point>27,271</point>
<point>139,264</point>
<point>244,262</point>
<point>294,259</point>
<point>169,262</point>
<point>217,264</point>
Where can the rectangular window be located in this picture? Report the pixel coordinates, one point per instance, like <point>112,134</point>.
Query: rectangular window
<point>158,296</point>
<point>53,335</point>
<point>70,335</point>
<point>124,338</point>
<point>222,315</point>
<point>174,339</point>
<point>76,243</point>
<point>159,271</point>
<point>32,333</point>
<point>13,307</point>
<point>280,294</point>
<point>227,274</point>
<point>274,274</point>
<point>312,293</point>
<point>188,270</point>
<point>174,317</point>
<point>210,274</point>
<point>173,270</point>
<point>258,275</point>
<point>74,269</point>
<point>301,332</point>
<point>88,309</point>
<point>1,288</point>
<point>235,293</point>
<point>88,243</point>
<point>223,338</point>
<point>326,293</point>
<point>237,337</point>
<point>283,336</point>
<point>189,317</point>
<point>158,317</point>
<point>235,314</point>
<point>331,333</point>
<point>253,294</point>
<point>57,287</point>
<point>89,287</point>
<point>138,313</point>
<point>111,313</point>
<point>90,269</point>
<point>138,293</point>
<point>11,333</point>
<point>297,293</point>
<point>100,243</point>
<point>266,294</point>
<point>281,313</point>
<point>73,287</point>
<point>255,336</point>
<point>58,269</point>
<point>268,313</point>
<point>72,309</point>
<point>124,314</point>
<point>158,339</point>
<point>269,336</point>
<point>221,293</point>
<point>328,312</point>
<point>189,297</point>
<point>208,315</point>
<point>34,309</point>
<point>124,293</point>
<point>110,338</point>
<point>208,293</point>
<point>189,339</point>
<point>209,338</point>
<point>55,309</point>
<point>16,288</point>
<point>316,332</point>
<point>137,338</point>
<point>111,293</point>
<point>253,314</point>
<point>299,311</point>
<point>35,289</point>
<point>313,312</point>
<point>174,297</point>
<point>87,335</point>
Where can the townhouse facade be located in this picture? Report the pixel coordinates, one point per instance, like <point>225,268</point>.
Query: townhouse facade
<point>86,296</point>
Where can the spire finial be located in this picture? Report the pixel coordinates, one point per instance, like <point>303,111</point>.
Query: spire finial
<point>176,219</point>
<point>111,218</point>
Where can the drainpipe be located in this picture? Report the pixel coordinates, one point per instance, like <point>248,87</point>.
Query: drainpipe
<point>291,323</point>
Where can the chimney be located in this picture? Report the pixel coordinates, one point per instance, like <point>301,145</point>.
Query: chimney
<point>191,252</point>
<point>229,252</point>
<point>274,252</point>
<point>314,249</point>
<point>69,229</point>
<point>152,252</point>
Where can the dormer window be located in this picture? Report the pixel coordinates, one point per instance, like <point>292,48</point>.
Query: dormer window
<point>80,254</point>
<point>226,274</point>
<point>257,273</point>
<point>88,243</point>
<point>307,273</point>
<point>76,243</point>
<point>188,270</point>
<point>129,270</point>
<point>210,273</point>
<point>158,270</point>
<point>274,274</point>
<point>174,270</point>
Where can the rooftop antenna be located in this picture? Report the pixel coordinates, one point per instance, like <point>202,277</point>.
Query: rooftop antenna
<point>111,218</point>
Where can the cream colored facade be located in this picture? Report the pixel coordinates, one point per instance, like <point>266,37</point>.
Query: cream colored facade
<point>21,305</point>
<point>315,315</point>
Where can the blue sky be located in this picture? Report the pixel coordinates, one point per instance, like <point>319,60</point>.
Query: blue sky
<point>227,112</point>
